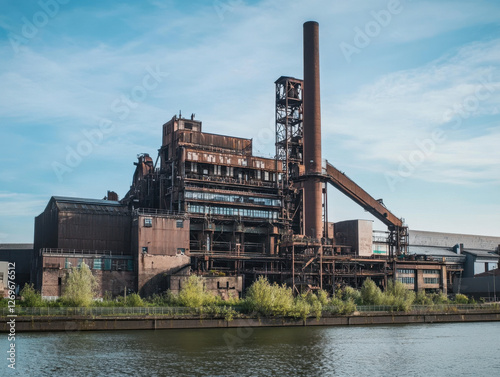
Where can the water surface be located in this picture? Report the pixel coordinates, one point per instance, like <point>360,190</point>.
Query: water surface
<point>470,349</point>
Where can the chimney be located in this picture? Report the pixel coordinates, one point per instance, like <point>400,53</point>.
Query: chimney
<point>313,223</point>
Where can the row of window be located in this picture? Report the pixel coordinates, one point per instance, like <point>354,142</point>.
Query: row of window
<point>228,171</point>
<point>105,264</point>
<point>431,280</point>
<point>148,223</point>
<point>431,272</point>
<point>407,280</point>
<point>231,198</point>
<point>225,211</point>
<point>407,272</point>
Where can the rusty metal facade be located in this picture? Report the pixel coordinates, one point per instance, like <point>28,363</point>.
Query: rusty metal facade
<point>243,215</point>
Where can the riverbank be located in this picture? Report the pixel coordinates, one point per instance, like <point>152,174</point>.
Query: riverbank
<point>156,322</point>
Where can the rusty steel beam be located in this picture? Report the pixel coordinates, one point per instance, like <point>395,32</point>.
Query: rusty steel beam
<point>312,132</point>
<point>348,187</point>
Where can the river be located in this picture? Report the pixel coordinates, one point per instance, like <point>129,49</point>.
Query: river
<point>459,349</point>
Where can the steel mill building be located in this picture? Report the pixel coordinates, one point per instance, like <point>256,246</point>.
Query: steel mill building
<point>207,206</point>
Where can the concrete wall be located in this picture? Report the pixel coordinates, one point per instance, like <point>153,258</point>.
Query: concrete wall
<point>358,233</point>
<point>111,282</point>
<point>161,245</point>
<point>153,271</point>
<point>423,238</point>
<point>161,235</point>
<point>47,323</point>
<point>222,286</point>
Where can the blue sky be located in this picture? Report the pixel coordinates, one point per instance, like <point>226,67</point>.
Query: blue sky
<point>410,97</point>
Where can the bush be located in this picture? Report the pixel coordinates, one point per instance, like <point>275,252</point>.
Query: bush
<point>348,307</point>
<point>323,297</point>
<point>134,300</point>
<point>267,299</point>
<point>461,299</point>
<point>193,294</point>
<point>440,298</point>
<point>301,308</point>
<point>423,298</point>
<point>398,296</point>
<point>371,294</point>
<point>80,287</point>
<point>351,294</point>
<point>30,297</point>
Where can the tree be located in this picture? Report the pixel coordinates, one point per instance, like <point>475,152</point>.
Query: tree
<point>80,286</point>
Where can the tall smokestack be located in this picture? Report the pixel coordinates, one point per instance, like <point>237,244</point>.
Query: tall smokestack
<point>312,133</point>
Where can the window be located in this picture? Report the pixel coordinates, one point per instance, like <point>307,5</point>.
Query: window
<point>406,272</point>
<point>144,249</point>
<point>180,224</point>
<point>431,281</point>
<point>59,281</point>
<point>266,176</point>
<point>130,265</point>
<point>148,222</point>
<point>107,264</point>
<point>97,264</point>
<point>431,272</point>
<point>181,251</point>
<point>407,280</point>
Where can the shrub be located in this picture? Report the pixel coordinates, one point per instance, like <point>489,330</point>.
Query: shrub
<point>461,299</point>
<point>301,308</point>
<point>348,307</point>
<point>267,299</point>
<point>349,293</point>
<point>30,297</point>
<point>371,294</point>
<point>323,297</point>
<point>423,298</point>
<point>134,300</point>
<point>193,294</point>
<point>399,296</point>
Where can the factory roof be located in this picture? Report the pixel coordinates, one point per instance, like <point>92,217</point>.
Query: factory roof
<point>438,252</point>
<point>87,205</point>
<point>16,246</point>
<point>482,253</point>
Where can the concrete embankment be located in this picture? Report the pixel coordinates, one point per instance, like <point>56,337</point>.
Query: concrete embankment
<point>84,323</point>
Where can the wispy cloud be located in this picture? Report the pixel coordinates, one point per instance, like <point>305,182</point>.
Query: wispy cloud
<point>66,79</point>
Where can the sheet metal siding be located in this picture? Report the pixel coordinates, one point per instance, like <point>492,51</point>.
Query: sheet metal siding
<point>90,231</point>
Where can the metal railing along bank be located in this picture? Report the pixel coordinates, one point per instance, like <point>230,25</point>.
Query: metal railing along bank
<point>180,311</point>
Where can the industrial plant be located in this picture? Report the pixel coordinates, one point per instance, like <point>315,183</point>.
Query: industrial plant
<point>206,205</point>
